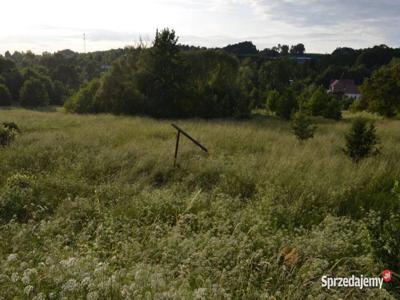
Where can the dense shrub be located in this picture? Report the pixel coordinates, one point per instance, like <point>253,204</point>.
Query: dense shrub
<point>302,126</point>
<point>19,200</point>
<point>273,98</point>
<point>85,100</point>
<point>382,90</point>
<point>11,126</point>
<point>58,93</point>
<point>287,104</point>
<point>361,140</point>
<point>33,93</point>
<point>358,105</point>
<point>317,102</point>
<point>5,96</point>
<point>8,131</point>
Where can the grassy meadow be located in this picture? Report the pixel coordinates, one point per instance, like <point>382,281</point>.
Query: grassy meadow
<point>91,207</point>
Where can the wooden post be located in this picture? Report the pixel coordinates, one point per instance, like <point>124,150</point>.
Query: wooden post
<point>189,137</point>
<point>176,147</point>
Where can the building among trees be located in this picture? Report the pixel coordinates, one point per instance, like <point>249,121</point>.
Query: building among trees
<point>346,87</point>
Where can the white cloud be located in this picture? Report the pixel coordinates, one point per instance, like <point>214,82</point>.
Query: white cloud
<point>322,25</point>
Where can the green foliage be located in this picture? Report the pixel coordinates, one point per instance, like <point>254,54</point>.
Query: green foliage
<point>302,126</point>
<point>58,93</point>
<point>298,49</point>
<point>10,77</point>
<point>140,83</point>
<point>276,74</point>
<point>382,90</point>
<point>385,238</point>
<point>242,49</point>
<point>8,132</point>
<point>33,93</point>
<point>248,81</point>
<point>317,102</point>
<point>85,100</point>
<point>163,81</point>
<point>18,199</point>
<point>273,98</point>
<point>358,105</point>
<point>286,104</point>
<point>161,76</point>
<point>217,91</point>
<point>5,96</point>
<point>283,104</point>
<point>11,126</point>
<point>361,140</point>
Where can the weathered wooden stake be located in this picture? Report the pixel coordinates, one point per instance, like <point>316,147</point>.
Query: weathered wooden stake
<point>189,137</point>
<point>176,147</point>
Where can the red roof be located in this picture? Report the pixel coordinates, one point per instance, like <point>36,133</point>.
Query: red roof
<point>345,86</point>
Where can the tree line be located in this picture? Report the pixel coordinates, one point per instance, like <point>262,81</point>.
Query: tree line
<point>173,80</point>
<point>49,79</point>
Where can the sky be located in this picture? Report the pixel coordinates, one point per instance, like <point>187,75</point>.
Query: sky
<point>324,25</point>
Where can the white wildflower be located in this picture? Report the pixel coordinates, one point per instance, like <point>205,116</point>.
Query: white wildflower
<point>12,257</point>
<point>14,277</point>
<point>125,291</point>
<point>86,281</point>
<point>92,296</point>
<point>68,262</point>
<point>28,275</point>
<point>49,261</point>
<point>39,296</point>
<point>200,293</point>
<point>28,290</point>
<point>70,286</point>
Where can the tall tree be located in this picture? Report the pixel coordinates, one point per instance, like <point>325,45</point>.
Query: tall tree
<point>161,75</point>
<point>382,90</point>
<point>298,49</point>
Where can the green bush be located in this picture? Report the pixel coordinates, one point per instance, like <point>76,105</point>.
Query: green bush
<point>382,90</point>
<point>84,101</point>
<point>385,241</point>
<point>19,199</point>
<point>302,126</point>
<point>317,102</point>
<point>33,93</point>
<point>5,96</point>
<point>361,140</point>
<point>359,104</point>
<point>272,100</point>
<point>11,126</point>
<point>8,131</point>
<point>286,104</point>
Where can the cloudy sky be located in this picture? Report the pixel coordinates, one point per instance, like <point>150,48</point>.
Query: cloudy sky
<point>322,25</point>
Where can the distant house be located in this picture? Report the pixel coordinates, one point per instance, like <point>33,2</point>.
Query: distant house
<point>105,67</point>
<point>301,59</point>
<point>345,87</point>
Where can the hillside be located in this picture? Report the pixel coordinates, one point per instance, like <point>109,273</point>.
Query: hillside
<point>92,208</point>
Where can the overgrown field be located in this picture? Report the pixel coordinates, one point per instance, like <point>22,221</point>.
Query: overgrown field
<point>92,208</point>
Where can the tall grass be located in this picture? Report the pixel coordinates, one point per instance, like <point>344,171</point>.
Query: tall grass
<point>106,215</point>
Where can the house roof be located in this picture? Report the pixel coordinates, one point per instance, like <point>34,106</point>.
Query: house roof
<point>346,86</point>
